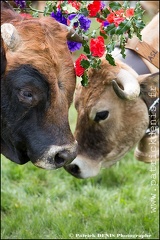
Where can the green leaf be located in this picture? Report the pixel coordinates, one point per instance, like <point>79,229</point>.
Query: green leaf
<point>86,48</point>
<point>115,6</point>
<point>84,81</point>
<point>99,62</point>
<point>110,59</point>
<point>35,14</point>
<point>105,12</point>
<point>139,24</point>
<point>111,29</point>
<point>126,4</point>
<point>110,47</point>
<point>138,11</point>
<point>49,8</point>
<point>122,45</point>
<point>85,63</point>
<point>84,11</point>
<point>93,35</point>
<point>103,35</point>
<point>123,27</point>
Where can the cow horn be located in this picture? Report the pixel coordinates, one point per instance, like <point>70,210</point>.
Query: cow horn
<point>131,87</point>
<point>73,36</point>
<point>10,35</point>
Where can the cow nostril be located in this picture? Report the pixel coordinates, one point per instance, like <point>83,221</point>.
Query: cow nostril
<point>59,160</point>
<point>73,169</point>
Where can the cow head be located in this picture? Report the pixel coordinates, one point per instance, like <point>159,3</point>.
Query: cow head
<point>112,117</point>
<point>37,85</point>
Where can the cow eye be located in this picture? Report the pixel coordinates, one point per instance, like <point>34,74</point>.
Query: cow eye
<point>101,116</point>
<point>26,96</point>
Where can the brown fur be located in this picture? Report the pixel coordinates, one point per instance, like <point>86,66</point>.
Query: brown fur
<point>43,46</point>
<point>107,141</point>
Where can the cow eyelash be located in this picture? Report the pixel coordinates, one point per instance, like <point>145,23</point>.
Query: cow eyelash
<point>101,116</point>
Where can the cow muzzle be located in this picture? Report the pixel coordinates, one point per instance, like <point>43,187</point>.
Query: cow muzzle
<point>83,167</point>
<point>57,156</point>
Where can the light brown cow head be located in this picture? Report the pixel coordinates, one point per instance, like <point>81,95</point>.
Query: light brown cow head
<point>37,83</point>
<point>110,121</point>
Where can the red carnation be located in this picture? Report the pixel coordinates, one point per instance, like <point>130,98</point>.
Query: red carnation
<point>75,4</point>
<point>94,8</point>
<point>97,46</point>
<point>110,17</point>
<point>78,68</point>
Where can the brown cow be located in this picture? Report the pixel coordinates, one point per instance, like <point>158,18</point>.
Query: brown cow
<point>37,83</point>
<point>112,116</point>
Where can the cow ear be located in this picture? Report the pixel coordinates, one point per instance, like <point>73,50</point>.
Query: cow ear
<point>149,87</point>
<point>150,90</point>
<point>77,94</point>
<point>3,58</point>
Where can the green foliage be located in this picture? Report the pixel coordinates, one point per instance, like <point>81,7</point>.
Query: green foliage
<point>84,81</point>
<point>122,25</point>
<point>110,59</point>
<point>115,6</point>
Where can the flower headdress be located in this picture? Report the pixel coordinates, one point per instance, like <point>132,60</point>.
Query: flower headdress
<point>117,22</point>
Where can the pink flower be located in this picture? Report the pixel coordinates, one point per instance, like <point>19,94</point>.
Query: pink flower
<point>118,20</point>
<point>97,46</point>
<point>130,12</point>
<point>112,18</point>
<point>78,68</point>
<point>26,15</point>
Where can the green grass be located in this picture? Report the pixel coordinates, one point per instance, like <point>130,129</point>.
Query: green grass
<point>41,204</point>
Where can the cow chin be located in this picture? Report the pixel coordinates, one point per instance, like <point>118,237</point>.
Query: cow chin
<point>82,167</point>
<point>45,165</point>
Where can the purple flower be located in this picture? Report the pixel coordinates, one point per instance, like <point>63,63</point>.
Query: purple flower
<point>84,21</point>
<point>102,4</point>
<point>105,23</point>
<point>74,46</point>
<point>59,17</point>
<point>20,3</point>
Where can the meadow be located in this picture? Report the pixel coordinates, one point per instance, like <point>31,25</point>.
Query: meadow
<point>120,203</point>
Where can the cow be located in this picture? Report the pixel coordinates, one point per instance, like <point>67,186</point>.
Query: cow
<point>115,109</point>
<point>37,86</point>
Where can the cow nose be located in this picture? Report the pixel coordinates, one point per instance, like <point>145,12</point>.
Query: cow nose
<point>57,156</point>
<point>64,157</point>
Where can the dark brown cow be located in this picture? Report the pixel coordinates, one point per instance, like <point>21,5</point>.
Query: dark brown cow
<point>37,85</point>
<point>113,111</point>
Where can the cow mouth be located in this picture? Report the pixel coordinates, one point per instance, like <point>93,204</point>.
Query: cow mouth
<point>22,156</point>
<point>74,170</point>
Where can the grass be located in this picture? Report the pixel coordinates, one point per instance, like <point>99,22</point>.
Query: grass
<point>39,204</point>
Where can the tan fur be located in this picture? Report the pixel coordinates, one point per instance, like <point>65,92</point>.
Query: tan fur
<point>103,143</point>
